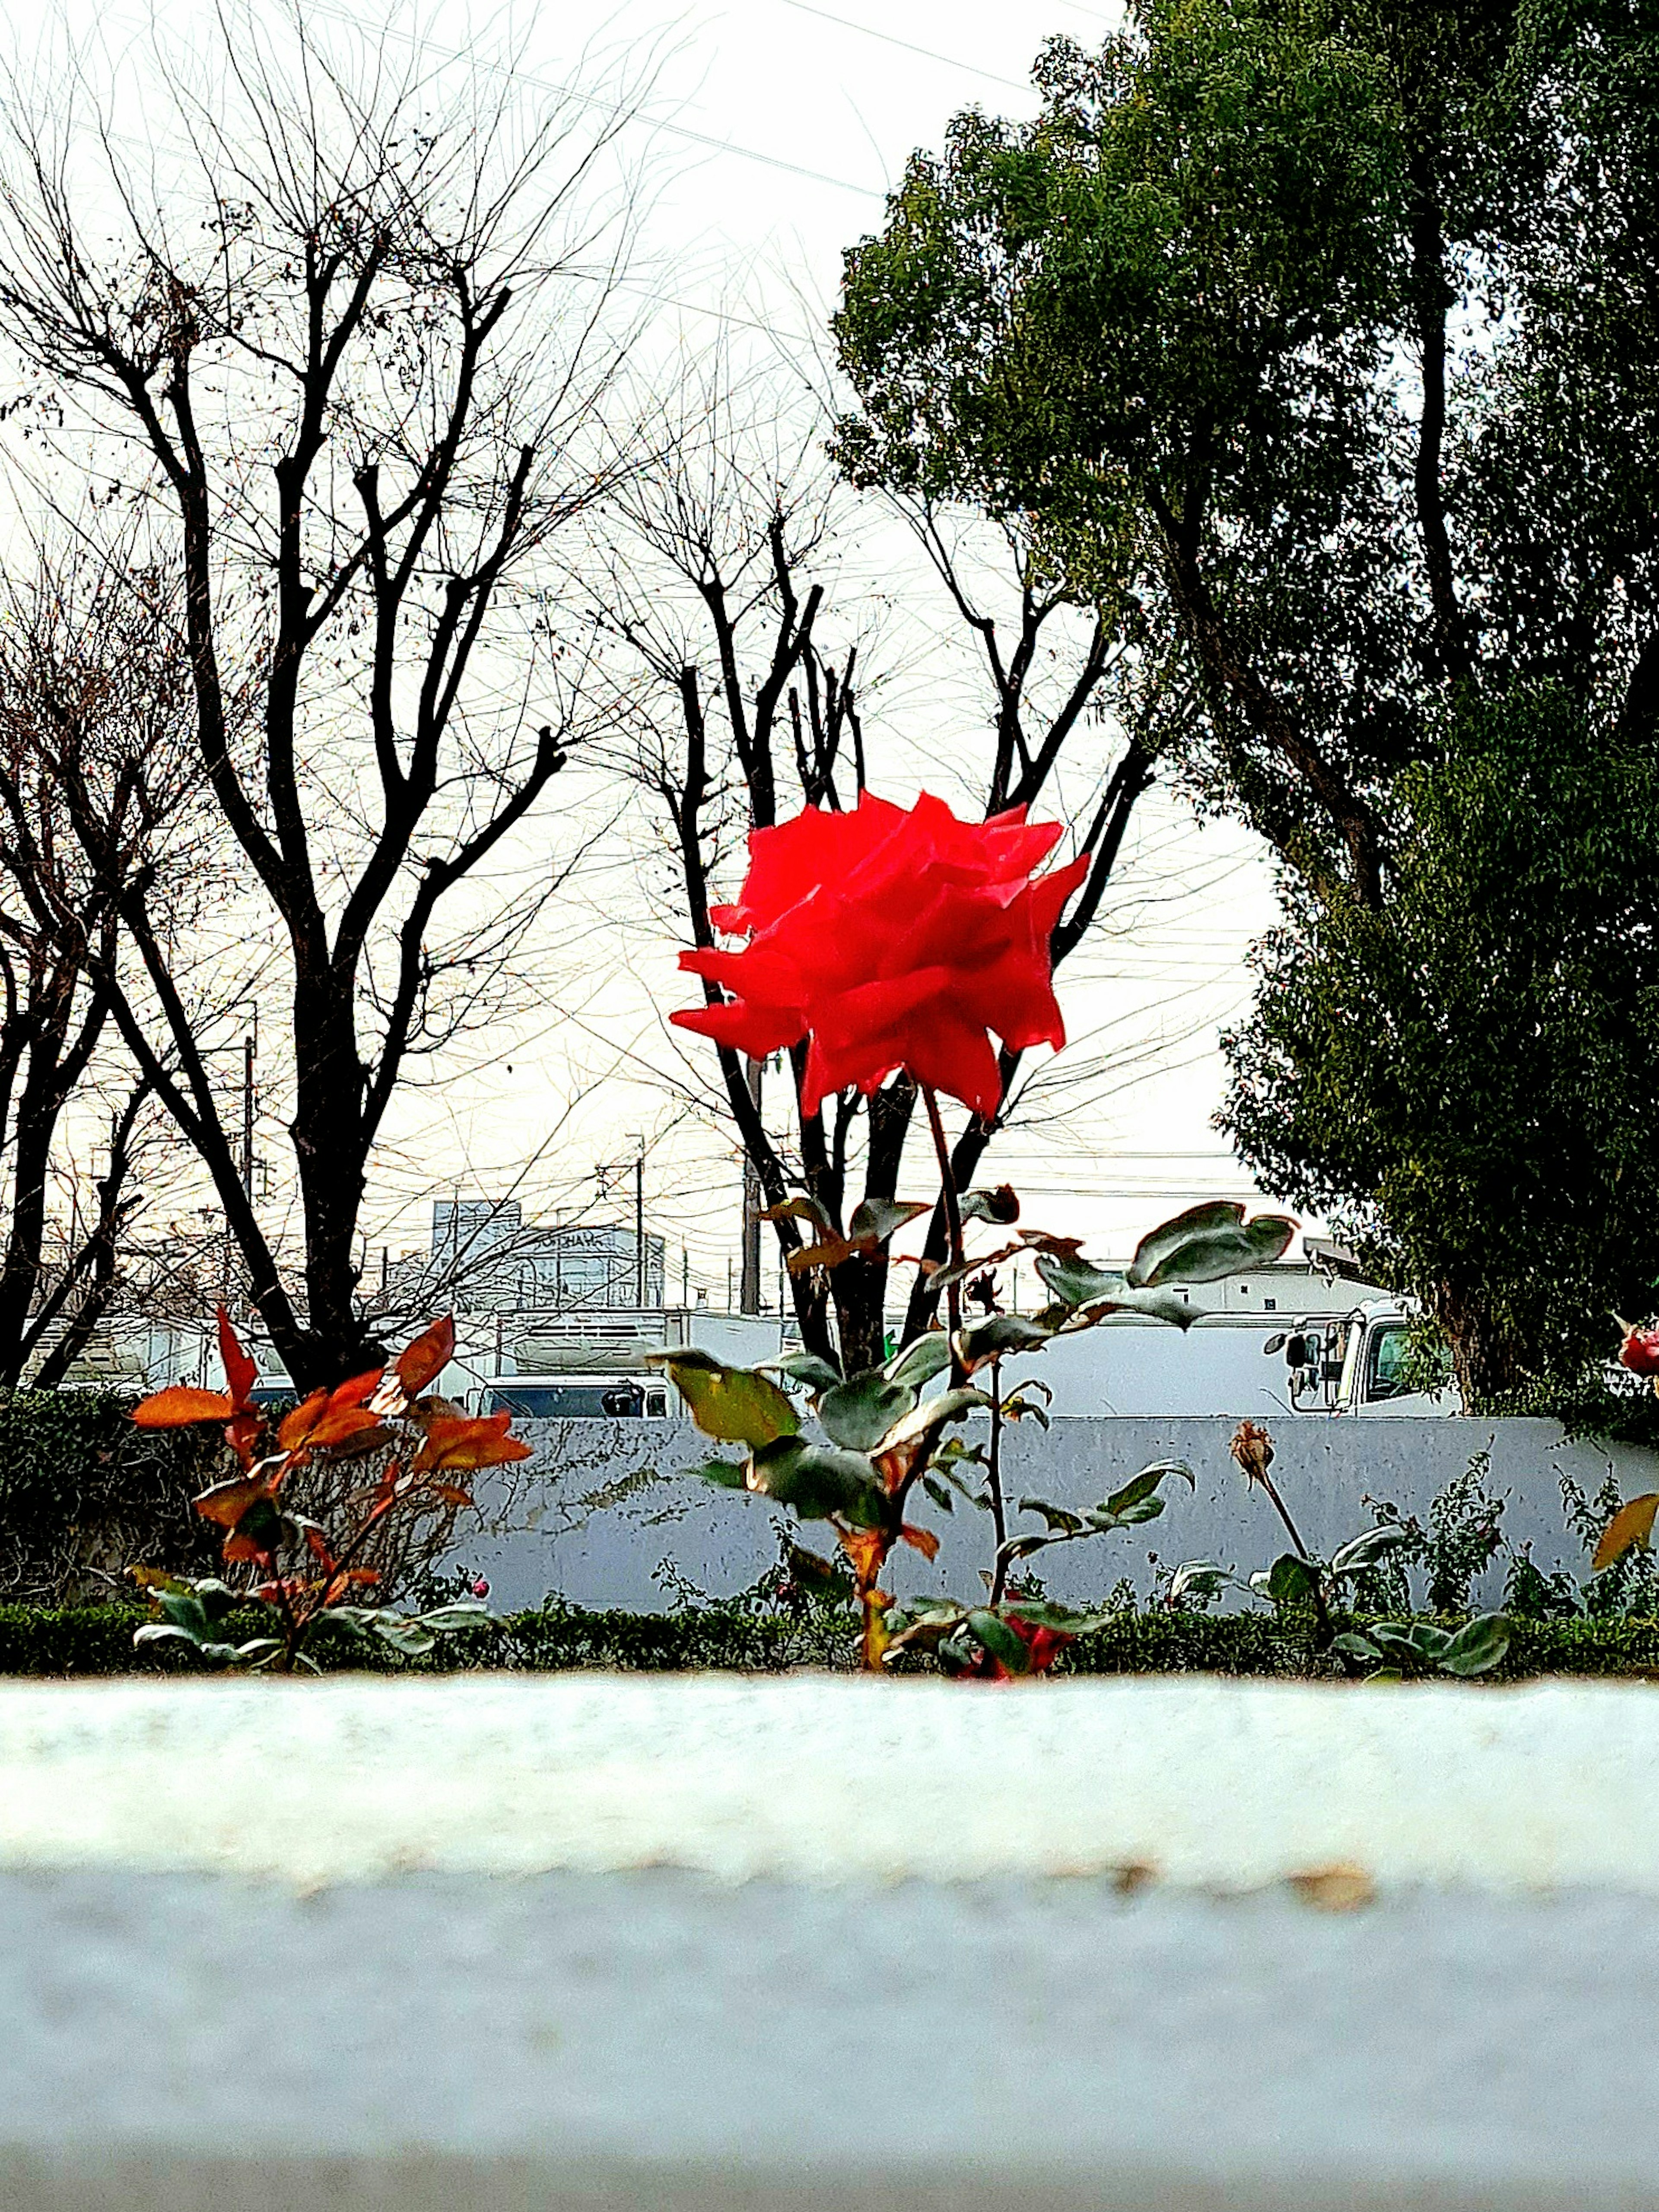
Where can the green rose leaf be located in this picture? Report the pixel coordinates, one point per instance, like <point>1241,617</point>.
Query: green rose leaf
<point>816,1480</point>
<point>993,1634</point>
<point>729,1473</point>
<point>1143,1486</point>
<point>982,1341</point>
<point>920,1360</point>
<point>1000,1205</point>
<point>806,1367</point>
<point>733,1405</point>
<point>1157,1305</point>
<point>860,1412</point>
<point>1056,1517</point>
<point>1073,1281</point>
<point>1206,1243</point>
<point>878,1219</point>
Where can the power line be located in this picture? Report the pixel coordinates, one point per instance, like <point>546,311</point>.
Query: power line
<point>611,107</point>
<point>927,53</point>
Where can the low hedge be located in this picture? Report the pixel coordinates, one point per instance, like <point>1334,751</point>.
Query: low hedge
<point>97,1640</point>
<point>83,1492</point>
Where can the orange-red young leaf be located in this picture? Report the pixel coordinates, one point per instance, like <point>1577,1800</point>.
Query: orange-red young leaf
<point>1632,1524</point>
<point>462,1441</point>
<point>867,1549</point>
<point>343,1583</point>
<point>920,1540</point>
<point>177,1408</point>
<point>225,1503</point>
<point>238,1548</point>
<point>240,1372</point>
<point>317,1543</point>
<point>452,1493</point>
<point>426,1358</point>
<point>329,1417</point>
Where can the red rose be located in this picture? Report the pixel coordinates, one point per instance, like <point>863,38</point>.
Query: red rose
<point>1044,1646</point>
<point>1640,1352</point>
<point>894,938</point>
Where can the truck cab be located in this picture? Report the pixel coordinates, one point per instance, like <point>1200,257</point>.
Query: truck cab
<point>1356,1364</point>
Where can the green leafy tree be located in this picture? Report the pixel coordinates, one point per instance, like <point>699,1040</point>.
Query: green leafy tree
<point>1326,332</point>
<point>1468,1075</point>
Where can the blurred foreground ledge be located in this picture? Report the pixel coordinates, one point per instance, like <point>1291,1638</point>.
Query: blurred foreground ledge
<point>701,1941</point>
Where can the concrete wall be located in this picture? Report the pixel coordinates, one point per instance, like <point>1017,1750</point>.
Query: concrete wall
<point>606,1514</point>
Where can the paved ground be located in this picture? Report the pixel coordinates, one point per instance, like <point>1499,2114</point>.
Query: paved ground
<point>698,1942</point>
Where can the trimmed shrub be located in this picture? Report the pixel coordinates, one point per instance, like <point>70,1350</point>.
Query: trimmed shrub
<point>97,1640</point>
<point>85,1494</point>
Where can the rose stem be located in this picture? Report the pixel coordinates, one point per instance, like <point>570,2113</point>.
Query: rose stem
<point>993,1484</point>
<point>953,1230</point>
<point>1325,1631</point>
<point>953,1306</point>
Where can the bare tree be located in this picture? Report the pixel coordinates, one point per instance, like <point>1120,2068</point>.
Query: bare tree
<point>332,359</point>
<point>92,711</point>
<point>750,710</point>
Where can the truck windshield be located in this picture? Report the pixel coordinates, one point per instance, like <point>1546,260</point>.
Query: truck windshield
<point>1385,1377</point>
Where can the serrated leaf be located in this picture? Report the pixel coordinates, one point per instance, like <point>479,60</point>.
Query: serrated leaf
<point>994,1337</point>
<point>1102,1519</point>
<point>816,1480</point>
<point>923,1359</point>
<point>733,1405</point>
<point>1208,1241</point>
<point>1632,1524</point>
<point>1073,1281</point>
<point>859,1412</point>
<point>423,1360</point>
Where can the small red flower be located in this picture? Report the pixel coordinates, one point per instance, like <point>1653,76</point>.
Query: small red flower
<point>894,938</point>
<point>1044,1646</point>
<point>1640,1352</point>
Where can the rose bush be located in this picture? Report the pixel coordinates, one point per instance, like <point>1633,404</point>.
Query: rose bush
<point>415,1450</point>
<point>893,938</point>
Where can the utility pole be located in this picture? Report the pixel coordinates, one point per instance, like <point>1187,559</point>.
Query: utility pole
<point>749,1294</point>
<point>250,1047</point>
<point>639,1228</point>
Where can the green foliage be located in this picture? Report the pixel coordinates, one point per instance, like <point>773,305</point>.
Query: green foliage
<point>1467,1076</point>
<point>761,1634</point>
<point>83,1494</point>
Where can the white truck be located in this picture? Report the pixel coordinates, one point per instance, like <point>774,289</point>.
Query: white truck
<point>1356,1364</point>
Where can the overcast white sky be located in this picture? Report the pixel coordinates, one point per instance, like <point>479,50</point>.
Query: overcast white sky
<point>774,130</point>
